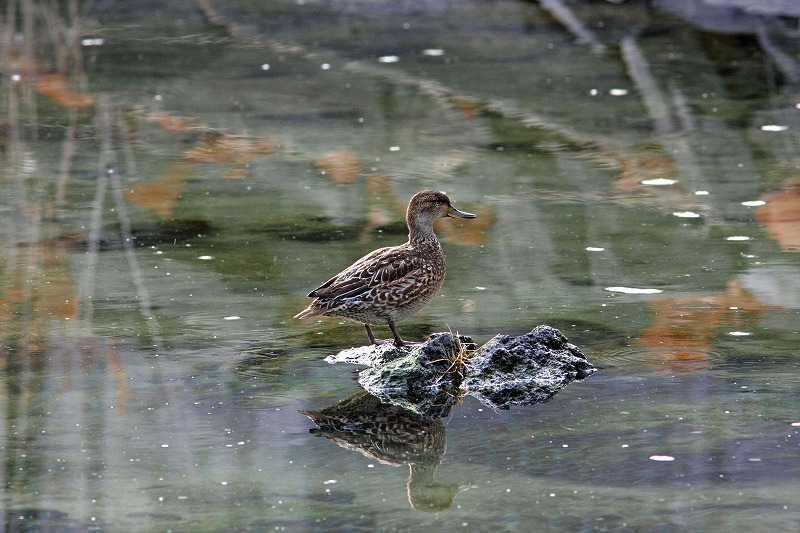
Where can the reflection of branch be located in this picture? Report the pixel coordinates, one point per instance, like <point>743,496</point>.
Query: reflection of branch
<point>785,62</point>
<point>449,97</point>
<point>564,15</point>
<point>106,173</point>
<point>639,71</point>
<point>213,17</point>
<point>142,294</point>
<point>660,107</point>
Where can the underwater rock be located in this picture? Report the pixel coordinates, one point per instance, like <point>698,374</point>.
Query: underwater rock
<point>428,378</point>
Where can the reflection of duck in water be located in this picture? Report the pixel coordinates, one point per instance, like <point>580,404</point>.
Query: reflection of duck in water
<point>391,435</point>
<point>391,284</point>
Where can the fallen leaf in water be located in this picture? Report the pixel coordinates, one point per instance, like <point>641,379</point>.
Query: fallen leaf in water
<point>159,196</point>
<point>467,106</point>
<point>36,293</point>
<point>168,123</point>
<point>683,329</point>
<point>638,167</point>
<point>238,149</point>
<point>342,167</point>
<point>57,88</point>
<point>781,216</point>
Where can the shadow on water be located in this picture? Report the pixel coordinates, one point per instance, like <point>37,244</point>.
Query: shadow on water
<point>177,175</point>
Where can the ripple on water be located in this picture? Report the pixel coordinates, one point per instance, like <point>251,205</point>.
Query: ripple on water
<point>261,364</point>
<point>666,359</point>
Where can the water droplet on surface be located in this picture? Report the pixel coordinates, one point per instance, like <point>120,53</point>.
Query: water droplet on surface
<point>774,127</point>
<point>633,290</point>
<point>659,182</point>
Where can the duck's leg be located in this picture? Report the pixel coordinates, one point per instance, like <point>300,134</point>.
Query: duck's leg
<point>370,335</point>
<point>397,340</point>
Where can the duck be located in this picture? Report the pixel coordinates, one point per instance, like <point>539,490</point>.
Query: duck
<point>391,284</point>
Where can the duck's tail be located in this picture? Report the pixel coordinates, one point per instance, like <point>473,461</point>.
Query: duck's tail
<point>309,311</point>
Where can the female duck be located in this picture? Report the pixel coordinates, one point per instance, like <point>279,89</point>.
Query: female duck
<point>391,284</point>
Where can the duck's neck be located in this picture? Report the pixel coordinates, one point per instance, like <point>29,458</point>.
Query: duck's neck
<point>421,235</point>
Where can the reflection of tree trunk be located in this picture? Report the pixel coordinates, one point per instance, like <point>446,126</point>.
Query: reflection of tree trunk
<point>67,155</point>
<point>86,293</point>
<point>14,156</point>
<point>142,294</point>
<point>29,38</point>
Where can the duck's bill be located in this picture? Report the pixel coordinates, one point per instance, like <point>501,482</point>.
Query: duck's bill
<point>453,212</point>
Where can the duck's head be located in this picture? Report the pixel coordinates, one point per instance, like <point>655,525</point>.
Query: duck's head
<point>428,206</point>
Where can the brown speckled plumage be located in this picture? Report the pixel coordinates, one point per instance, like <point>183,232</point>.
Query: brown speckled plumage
<point>391,284</point>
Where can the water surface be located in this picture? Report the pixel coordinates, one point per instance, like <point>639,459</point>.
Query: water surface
<point>177,177</point>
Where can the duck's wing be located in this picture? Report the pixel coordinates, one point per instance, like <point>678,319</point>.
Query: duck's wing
<point>389,268</point>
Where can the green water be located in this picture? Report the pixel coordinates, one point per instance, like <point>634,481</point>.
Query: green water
<point>173,189</point>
